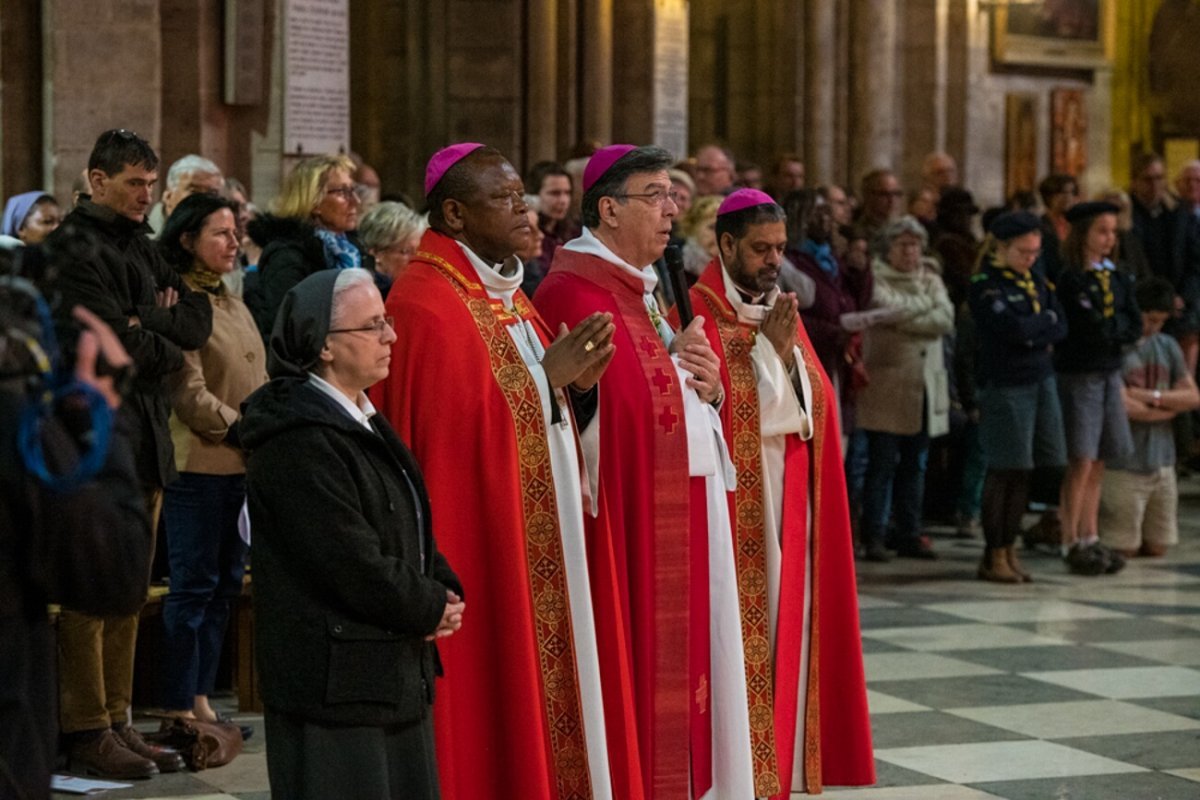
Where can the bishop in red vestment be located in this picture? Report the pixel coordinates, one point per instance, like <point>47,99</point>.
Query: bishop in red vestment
<point>647,548</point>
<point>791,514</point>
<point>478,390</point>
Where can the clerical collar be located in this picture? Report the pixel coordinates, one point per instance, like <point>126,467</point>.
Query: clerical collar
<point>753,310</point>
<point>491,276</point>
<point>361,412</point>
<point>588,244</point>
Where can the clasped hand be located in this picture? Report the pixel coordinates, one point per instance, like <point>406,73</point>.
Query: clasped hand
<point>579,357</point>
<point>780,327</point>
<point>696,356</point>
<point>452,617</point>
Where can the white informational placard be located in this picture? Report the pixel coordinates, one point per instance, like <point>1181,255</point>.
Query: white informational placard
<point>316,77</point>
<point>671,76</point>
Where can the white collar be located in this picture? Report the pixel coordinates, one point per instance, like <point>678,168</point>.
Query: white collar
<point>747,312</point>
<point>361,412</point>
<point>491,276</point>
<point>588,244</point>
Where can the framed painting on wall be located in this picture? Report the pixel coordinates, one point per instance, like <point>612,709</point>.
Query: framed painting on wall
<point>1068,132</point>
<point>1020,143</point>
<point>1077,34</point>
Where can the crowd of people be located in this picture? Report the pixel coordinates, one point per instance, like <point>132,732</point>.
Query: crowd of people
<point>652,488</point>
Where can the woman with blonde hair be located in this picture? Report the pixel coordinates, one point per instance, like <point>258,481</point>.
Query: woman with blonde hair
<point>309,230</point>
<point>390,233</point>
<point>698,229</point>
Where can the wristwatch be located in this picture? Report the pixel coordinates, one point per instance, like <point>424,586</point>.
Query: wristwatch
<point>1157,398</point>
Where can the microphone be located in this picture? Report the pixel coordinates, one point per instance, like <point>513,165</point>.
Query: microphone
<point>683,302</point>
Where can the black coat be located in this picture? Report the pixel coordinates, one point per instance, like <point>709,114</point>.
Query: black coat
<point>1014,344</point>
<point>1096,343</point>
<point>347,577</point>
<point>291,252</point>
<point>117,280</point>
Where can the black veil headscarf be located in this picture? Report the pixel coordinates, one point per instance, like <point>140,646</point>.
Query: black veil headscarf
<point>301,326</point>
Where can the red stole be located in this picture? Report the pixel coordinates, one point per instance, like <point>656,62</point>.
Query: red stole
<point>645,538</point>
<point>508,714</point>
<point>837,744</point>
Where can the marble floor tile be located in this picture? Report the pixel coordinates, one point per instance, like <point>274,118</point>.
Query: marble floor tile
<point>1127,682</point>
<point>998,761</point>
<point>1003,612</point>
<point>1038,659</point>
<point>1078,718</point>
<point>246,773</point>
<point>872,601</point>
<point>1107,630</point>
<point>1188,706</point>
<point>1186,620</point>
<point>880,703</point>
<point>980,690</point>
<point>932,638</point>
<point>919,666</point>
<point>1134,786</point>
<point>935,727</point>
<point>1183,652</point>
<point>902,617</point>
<point>936,791</point>
<point>1189,774</point>
<point>1158,751</point>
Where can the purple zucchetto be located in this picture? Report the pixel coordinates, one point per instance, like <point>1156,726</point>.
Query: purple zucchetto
<point>601,161</point>
<point>743,199</point>
<point>444,159</point>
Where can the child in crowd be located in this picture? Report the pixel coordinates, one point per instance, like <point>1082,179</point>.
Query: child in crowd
<point>1018,320</point>
<point>1102,319</point>
<point>1139,503</point>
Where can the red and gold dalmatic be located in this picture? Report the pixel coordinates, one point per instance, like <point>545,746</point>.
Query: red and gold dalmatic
<point>835,732</point>
<point>508,714</point>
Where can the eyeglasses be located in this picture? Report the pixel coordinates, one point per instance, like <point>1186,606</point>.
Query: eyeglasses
<point>377,327</point>
<point>658,197</point>
<point>347,193</point>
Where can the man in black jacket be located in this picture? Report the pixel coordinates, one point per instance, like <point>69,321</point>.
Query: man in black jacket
<point>122,279</point>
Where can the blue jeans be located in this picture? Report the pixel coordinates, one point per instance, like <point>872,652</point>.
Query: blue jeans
<point>856,465</point>
<point>896,466</point>
<point>208,561</point>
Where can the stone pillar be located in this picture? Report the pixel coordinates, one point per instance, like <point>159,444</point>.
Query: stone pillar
<point>541,88</point>
<point>923,76</point>
<point>597,43</point>
<point>86,92</point>
<point>873,66</point>
<point>820,82</point>
<point>21,98</point>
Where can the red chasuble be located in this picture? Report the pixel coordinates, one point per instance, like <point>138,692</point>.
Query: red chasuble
<point>836,731</point>
<point>640,545</point>
<point>508,715</point>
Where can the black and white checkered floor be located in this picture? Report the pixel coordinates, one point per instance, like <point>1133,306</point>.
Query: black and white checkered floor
<point>1068,688</point>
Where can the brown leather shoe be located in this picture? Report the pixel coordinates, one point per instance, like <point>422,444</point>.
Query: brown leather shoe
<point>107,756</point>
<point>165,758</point>
<point>994,567</point>
<point>1015,565</point>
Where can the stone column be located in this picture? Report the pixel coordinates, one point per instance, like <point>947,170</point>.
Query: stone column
<point>820,82</point>
<point>82,97</point>
<point>597,44</point>
<point>541,118</point>
<point>872,125</point>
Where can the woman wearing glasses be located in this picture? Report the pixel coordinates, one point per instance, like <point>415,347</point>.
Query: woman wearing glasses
<point>207,556</point>
<point>350,590</point>
<point>310,230</point>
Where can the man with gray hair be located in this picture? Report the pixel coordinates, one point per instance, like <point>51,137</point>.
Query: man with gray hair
<point>661,479</point>
<point>190,175</point>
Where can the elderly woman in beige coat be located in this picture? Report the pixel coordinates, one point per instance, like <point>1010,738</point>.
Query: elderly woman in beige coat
<point>907,401</point>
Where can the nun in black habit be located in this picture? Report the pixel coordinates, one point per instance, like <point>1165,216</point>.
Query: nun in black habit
<point>350,591</point>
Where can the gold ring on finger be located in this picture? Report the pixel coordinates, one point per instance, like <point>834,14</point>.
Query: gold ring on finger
<point>589,346</point>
